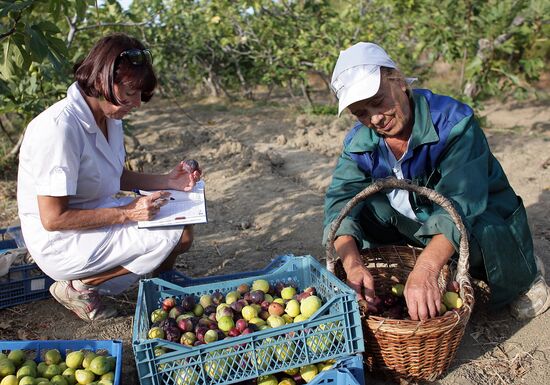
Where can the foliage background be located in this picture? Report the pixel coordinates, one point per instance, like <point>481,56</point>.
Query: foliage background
<point>248,48</point>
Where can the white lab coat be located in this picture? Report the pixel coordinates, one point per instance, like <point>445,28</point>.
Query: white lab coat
<point>64,153</point>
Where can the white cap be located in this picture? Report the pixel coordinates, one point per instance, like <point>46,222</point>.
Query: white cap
<point>356,75</point>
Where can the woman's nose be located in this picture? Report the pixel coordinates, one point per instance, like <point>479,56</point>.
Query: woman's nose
<point>377,118</point>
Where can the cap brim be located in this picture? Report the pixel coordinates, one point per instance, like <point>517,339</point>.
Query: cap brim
<point>363,89</point>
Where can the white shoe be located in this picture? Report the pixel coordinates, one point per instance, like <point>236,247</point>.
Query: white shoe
<point>82,299</point>
<point>536,300</point>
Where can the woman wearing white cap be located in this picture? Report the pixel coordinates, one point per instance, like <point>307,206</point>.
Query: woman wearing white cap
<point>434,141</point>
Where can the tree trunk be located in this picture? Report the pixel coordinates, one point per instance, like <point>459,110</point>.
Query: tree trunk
<point>8,123</point>
<point>211,85</point>
<point>305,92</point>
<point>15,150</point>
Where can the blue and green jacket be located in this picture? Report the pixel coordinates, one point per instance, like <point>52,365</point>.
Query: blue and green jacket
<point>448,152</point>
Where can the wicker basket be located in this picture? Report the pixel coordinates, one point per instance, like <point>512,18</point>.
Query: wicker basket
<point>406,349</point>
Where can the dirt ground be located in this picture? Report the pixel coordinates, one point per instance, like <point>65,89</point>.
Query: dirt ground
<point>266,167</point>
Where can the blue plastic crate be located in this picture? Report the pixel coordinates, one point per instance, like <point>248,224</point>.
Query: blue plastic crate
<point>5,243</point>
<point>348,371</point>
<point>178,278</point>
<point>333,331</point>
<point>36,349</point>
<point>23,283</point>
<point>345,371</point>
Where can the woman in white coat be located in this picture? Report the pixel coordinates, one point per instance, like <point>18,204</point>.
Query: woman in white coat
<point>71,166</point>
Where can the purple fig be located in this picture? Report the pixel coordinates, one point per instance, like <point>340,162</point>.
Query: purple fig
<point>241,324</point>
<point>188,303</point>
<point>173,333</point>
<point>213,325</point>
<point>224,311</point>
<point>395,312</point>
<point>278,287</point>
<point>217,298</point>
<point>200,332</point>
<point>238,305</point>
<point>257,296</point>
<point>377,301</point>
<point>204,322</point>
<point>265,305</point>
<point>185,325</point>
<point>300,297</point>
<point>221,334</point>
<point>209,310</point>
<point>243,288</point>
<point>253,327</point>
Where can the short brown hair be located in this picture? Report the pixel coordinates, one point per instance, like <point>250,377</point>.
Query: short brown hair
<point>103,67</point>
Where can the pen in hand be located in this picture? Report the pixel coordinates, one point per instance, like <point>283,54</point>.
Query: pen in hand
<point>145,193</point>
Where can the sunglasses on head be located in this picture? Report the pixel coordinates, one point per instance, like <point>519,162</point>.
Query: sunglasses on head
<point>137,56</point>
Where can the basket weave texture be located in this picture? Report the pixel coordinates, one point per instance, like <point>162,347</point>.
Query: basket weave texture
<point>407,349</point>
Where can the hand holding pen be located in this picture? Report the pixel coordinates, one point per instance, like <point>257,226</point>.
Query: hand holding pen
<point>145,193</point>
<point>145,208</point>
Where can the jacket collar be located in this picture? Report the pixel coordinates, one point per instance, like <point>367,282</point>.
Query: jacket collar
<point>366,140</point>
<point>87,120</point>
<point>81,108</point>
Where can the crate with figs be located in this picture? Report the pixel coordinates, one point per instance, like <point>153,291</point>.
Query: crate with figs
<point>194,321</point>
<point>229,329</point>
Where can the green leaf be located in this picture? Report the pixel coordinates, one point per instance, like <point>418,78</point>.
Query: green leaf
<point>81,6</point>
<point>9,6</point>
<point>47,26</point>
<point>38,46</point>
<point>8,66</point>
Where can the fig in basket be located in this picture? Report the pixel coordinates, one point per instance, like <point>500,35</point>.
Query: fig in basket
<point>402,135</point>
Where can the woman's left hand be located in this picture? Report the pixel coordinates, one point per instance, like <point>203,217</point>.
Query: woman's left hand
<point>422,292</point>
<point>184,176</point>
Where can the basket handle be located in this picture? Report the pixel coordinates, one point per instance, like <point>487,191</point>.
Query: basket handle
<point>393,183</point>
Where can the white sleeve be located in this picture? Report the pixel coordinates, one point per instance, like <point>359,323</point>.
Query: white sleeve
<point>56,157</point>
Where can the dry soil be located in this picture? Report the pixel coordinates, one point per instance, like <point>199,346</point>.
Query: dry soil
<point>266,167</point>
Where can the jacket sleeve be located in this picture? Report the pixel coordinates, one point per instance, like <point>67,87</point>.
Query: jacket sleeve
<point>347,181</point>
<point>464,169</point>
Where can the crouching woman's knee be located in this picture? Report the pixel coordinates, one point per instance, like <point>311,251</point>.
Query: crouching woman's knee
<point>186,239</point>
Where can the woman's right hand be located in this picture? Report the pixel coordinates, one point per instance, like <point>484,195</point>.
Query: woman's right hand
<point>358,276</point>
<point>360,279</point>
<point>144,208</point>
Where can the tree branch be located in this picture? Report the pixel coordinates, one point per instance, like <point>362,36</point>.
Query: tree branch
<point>13,29</point>
<point>485,50</point>
<point>6,132</point>
<point>15,150</point>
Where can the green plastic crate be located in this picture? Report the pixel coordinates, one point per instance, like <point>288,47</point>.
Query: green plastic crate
<point>333,331</point>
